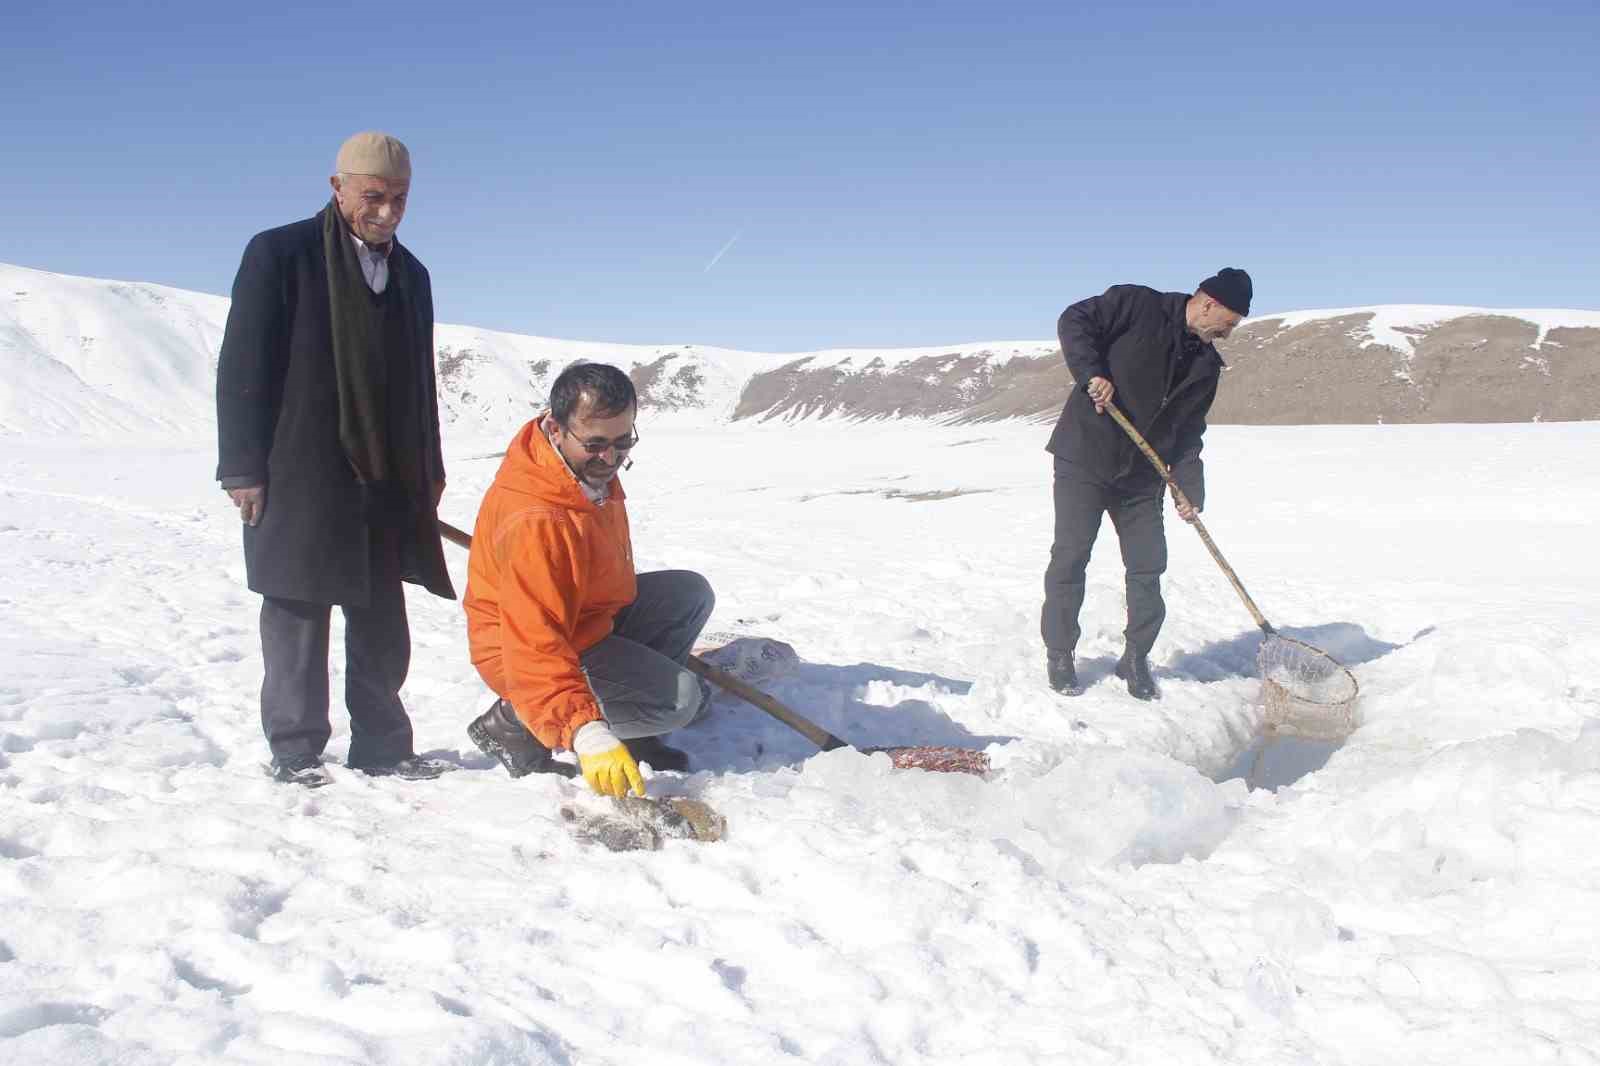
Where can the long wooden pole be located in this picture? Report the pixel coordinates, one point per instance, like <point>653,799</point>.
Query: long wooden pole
<point>458,537</point>
<point>1199,527</point>
<point>756,698</point>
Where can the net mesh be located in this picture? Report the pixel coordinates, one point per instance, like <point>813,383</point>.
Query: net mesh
<point>1305,691</point>
<point>939,759</point>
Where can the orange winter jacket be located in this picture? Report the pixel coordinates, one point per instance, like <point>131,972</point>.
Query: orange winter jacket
<point>548,572</point>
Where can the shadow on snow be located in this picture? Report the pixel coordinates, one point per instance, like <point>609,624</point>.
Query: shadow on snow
<point>1236,656</point>
<point>868,705</point>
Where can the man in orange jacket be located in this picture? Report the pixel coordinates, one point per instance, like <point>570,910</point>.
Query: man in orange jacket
<point>583,653</point>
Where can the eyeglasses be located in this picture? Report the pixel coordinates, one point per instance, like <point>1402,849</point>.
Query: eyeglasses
<point>599,445</point>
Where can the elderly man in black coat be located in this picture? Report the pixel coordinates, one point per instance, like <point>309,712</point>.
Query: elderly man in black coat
<point>328,441</point>
<point>1152,351</point>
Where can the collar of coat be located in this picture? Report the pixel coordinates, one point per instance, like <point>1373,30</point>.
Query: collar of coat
<point>1175,305</point>
<point>387,252</point>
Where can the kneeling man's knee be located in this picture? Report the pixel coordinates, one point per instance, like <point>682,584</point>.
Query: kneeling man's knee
<point>697,588</point>
<point>690,699</point>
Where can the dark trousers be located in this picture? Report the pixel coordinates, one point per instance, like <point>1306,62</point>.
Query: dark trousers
<point>377,653</point>
<point>637,673</point>
<point>1080,500</point>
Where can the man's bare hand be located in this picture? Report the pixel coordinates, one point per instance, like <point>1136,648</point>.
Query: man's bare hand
<point>1100,390</point>
<point>252,502</point>
<point>1186,510</point>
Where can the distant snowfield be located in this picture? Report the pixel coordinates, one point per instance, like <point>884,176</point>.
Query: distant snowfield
<point>1430,895</point>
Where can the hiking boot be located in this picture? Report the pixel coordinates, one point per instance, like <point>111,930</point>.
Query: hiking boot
<point>411,768</point>
<point>500,734</point>
<point>306,771</point>
<point>660,756</point>
<point>1135,670</point>
<point>1063,674</point>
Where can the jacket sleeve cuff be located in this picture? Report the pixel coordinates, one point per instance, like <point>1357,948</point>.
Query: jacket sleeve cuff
<point>242,481</point>
<point>1193,484</point>
<point>1084,369</point>
<point>565,729</point>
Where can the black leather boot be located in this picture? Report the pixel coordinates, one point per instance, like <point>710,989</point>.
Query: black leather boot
<point>498,733</point>
<point>660,756</point>
<point>304,770</point>
<point>1135,670</point>
<point>410,768</point>
<point>1063,674</point>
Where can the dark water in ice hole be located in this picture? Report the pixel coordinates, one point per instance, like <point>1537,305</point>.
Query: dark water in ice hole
<point>1274,762</point>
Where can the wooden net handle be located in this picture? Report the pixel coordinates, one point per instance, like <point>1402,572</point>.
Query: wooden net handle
<point>1199,527</point>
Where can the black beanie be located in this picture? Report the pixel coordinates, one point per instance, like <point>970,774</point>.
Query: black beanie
<point>1230,287</point>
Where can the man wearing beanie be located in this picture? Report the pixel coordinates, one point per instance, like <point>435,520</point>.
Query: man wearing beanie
<point>328,444</point>
<point>1152,354</point>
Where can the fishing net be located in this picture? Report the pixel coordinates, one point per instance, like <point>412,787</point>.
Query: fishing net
<point>937,759</point>
<point>1305,691</point>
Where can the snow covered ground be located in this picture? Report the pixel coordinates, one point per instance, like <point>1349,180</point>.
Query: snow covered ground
<point>1430,895</point>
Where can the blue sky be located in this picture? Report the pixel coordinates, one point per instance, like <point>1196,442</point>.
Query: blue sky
<point>896,173</point>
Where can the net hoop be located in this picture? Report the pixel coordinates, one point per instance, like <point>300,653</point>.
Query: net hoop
<point>1306,692</point>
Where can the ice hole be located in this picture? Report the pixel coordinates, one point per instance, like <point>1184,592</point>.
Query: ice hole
<point>1273,761</point>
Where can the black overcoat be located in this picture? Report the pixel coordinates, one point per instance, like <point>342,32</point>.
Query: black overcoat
<point>1134,336</point>
<point>278,424</point>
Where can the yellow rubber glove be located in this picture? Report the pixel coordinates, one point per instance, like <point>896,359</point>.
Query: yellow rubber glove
<point>606,762</point>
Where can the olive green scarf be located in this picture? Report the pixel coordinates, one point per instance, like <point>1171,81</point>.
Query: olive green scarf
<point>374,365</point>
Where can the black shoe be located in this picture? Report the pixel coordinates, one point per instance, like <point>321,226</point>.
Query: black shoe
<point>660,756</point>
<point>306,771</point>
<point>1063,674</point>
<point>500,734</point>
<point>1135,670</point>
<point>411,768</point>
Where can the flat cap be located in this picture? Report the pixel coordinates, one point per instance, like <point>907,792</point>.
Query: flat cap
<point>377,154</point>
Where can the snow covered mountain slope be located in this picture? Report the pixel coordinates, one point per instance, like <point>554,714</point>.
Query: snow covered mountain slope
<point>1413,364</point>
<point>90,357</point>
<point>95,358</point>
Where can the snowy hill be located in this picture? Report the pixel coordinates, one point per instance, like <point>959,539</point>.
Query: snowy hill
<point>1413,364</point>
<point>92,357</point>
